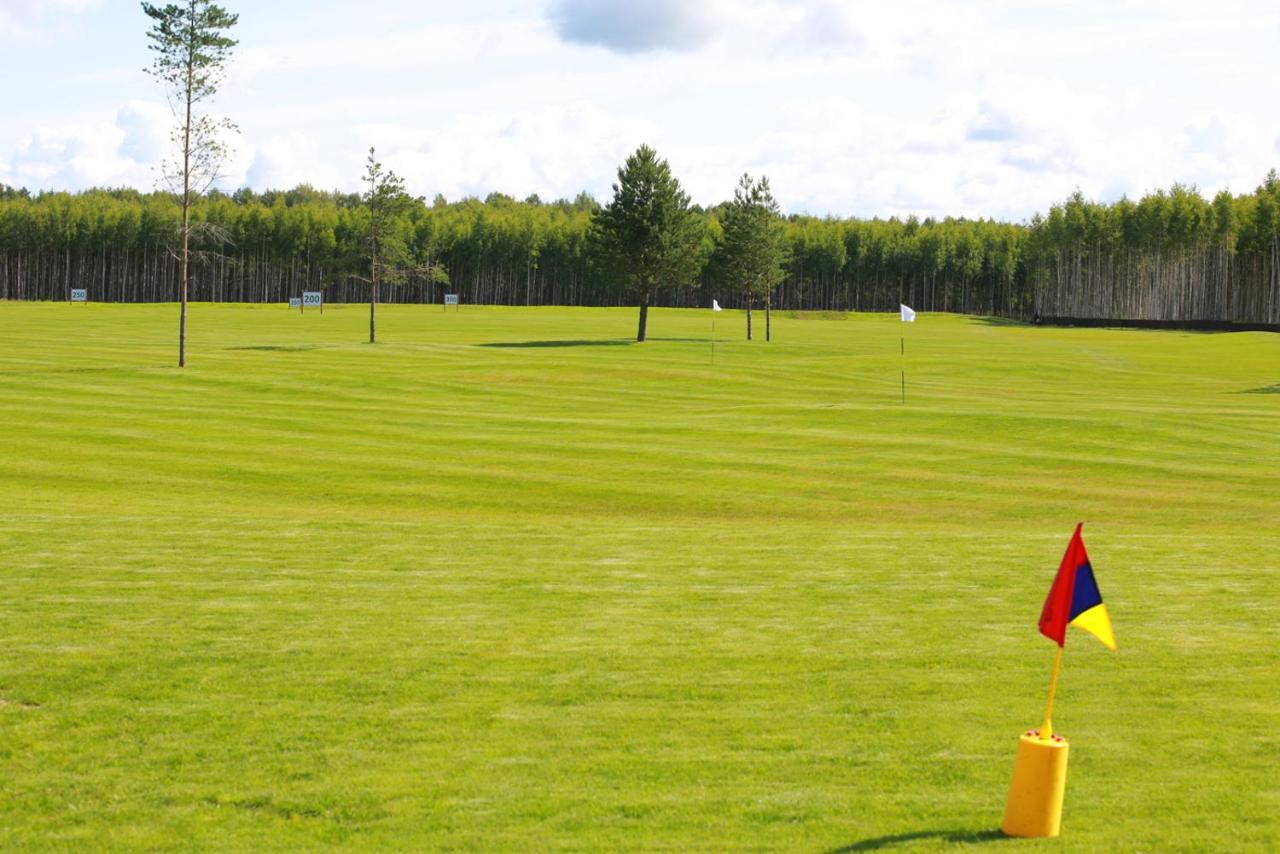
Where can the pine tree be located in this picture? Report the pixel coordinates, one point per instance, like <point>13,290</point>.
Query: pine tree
<point>646,236</point>
<point>191,52</point>
<point>752,254</point>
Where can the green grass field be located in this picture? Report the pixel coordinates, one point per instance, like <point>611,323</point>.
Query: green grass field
<point>507,581</point>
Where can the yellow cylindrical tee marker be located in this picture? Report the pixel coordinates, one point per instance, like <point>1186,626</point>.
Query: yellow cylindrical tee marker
<point>1039,781</point>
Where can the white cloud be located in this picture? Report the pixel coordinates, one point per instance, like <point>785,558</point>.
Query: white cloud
<point>554,152</point>
<point>445,46</point>
<point>147,131</point>
<point>126,150</point>
<point>914,106</point>
<point>74,156</point>
<point>287,160</point>
<point>24,19</point>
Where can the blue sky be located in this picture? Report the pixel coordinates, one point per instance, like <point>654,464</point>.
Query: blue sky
<point>986,107</point>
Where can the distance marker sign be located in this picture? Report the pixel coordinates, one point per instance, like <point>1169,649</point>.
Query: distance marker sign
<point>295,302</point>
<point>451,299</point>
<point>312,299</point>
<point>79,295</point>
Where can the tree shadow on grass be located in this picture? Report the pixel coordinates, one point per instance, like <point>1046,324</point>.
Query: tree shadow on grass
<point>1266,389</point>
<point>519,345</point>
<point>598,342</point>
<point>283,348</point>
<point>955,837</point>
<point>992,320</point>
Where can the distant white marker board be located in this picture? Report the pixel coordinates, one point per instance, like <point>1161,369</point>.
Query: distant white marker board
<point>311,299</point>
<point>450,299</point>
<point>295,302</point>
<point>79,295</point>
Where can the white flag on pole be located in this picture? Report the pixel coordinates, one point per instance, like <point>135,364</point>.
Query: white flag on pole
<point>715,306</point>
<point>908,316</point>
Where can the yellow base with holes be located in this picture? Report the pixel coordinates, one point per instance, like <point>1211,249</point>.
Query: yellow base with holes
<point>1039,781</point>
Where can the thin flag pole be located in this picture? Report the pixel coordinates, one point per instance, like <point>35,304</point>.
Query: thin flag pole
<point>713,337</point>
<point>1046,728</point>
<point>902,351</point>
<point>906,315</point>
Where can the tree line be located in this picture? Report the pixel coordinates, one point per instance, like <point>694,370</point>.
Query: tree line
<point>1172,255</point>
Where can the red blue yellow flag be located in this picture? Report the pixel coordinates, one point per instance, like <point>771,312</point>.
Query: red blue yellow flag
<point>1074,599</point>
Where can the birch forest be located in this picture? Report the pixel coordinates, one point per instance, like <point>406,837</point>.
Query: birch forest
<point>1171,256</point>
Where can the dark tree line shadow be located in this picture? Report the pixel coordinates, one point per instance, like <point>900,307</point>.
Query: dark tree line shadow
<point>598,342</point>
<point>523,345</point>
<point>284,348</point>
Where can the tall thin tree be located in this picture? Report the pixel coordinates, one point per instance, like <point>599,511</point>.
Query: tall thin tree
<point>191,49</point>
<point>391,260</point>
<point>752,253</point>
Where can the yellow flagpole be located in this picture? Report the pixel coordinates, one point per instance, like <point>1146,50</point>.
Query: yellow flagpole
<point>1046,728</point>
<point>1039,776</point>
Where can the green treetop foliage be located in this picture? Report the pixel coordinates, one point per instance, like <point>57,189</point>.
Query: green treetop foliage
<point>646,236</point>
<point>387,204</point>
<point>391,231</point>
<point>751,252</point>
<point>190,48</point>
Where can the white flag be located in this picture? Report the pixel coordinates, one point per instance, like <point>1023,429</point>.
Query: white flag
<point>908,316</point>
<point>715,306</point>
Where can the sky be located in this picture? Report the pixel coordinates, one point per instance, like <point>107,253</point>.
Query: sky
<point>994,108</point>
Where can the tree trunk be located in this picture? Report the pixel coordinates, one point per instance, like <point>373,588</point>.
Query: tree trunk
<point>644,315</point>
<point>748,317</point>
<point>373,272</point>
<point>768,316</point>
<point>186,226</point>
